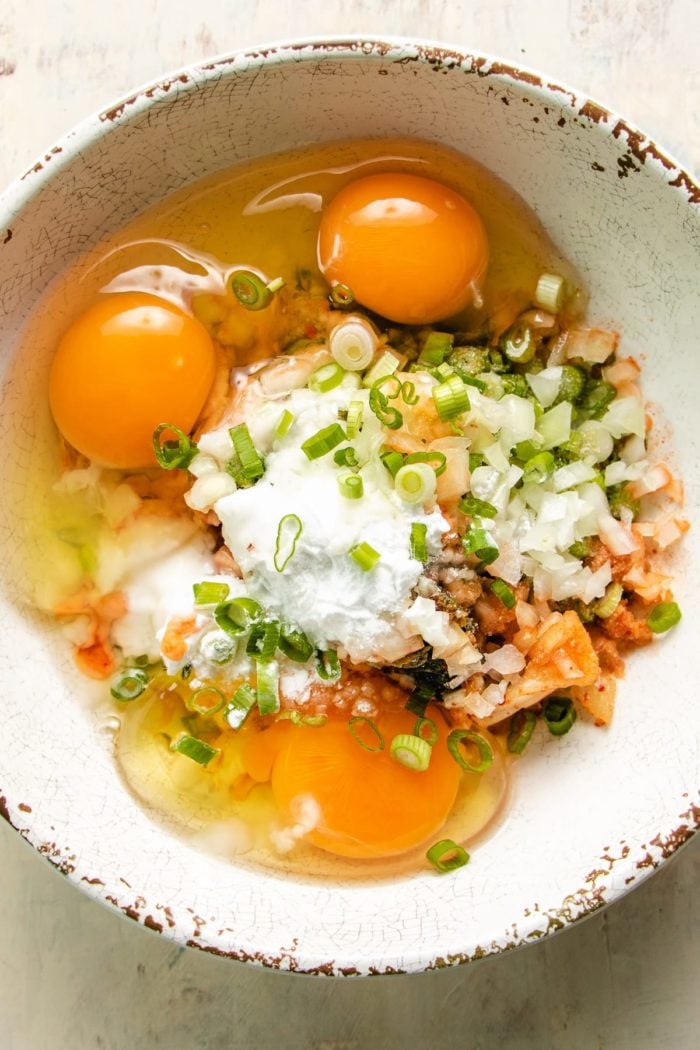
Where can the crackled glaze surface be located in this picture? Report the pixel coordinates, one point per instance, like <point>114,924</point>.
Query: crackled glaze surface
<point>588,818</point>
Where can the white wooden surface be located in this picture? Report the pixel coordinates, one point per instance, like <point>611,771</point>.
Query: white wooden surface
<point>75,976</point>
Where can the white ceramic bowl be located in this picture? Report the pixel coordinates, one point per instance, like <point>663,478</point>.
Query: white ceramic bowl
<point>587,818</point>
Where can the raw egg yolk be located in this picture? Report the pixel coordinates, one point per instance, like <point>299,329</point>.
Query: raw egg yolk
<point>370,805</point>
<point>407,247</point>
<point>128,363</point>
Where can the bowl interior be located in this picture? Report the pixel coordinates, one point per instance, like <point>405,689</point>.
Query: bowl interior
<point>587,817</point>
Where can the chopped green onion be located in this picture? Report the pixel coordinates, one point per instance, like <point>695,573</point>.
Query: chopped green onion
<point>172,455</point>
<point>129,684</point>
<point>386,365</point>
<point>288,533</point>
<point>353,344</point>
<point>240,705</point>
<point>360,722</point>
<point>263,639</point>
<point>350,485</point>
<point>580,549</point>
<point>477,508</point>
<point>210,593</point>
<point>573,381</point>
<point>267,686</point>
<point>191,747</point>
<point>354,420</point>
<point>619,499</point>
<point>444,371</point>
<point>606,606</point>
<point>283,424</point>
<point>294,644</point>
<point>451,398</point>
<point>446,855</point>
<point>393,461</point>
<point>595,399</point>
<point>539,468</point>
<point>429,724</point>
<point>346,457</point>
<point>436,348</point>
<point>518,343</point>
<point>415,483</point>
<point>559,715</point>
<point>411,751</point>
<point>195,703</point>
<point>663,617</point>
<point>390,386</point>
<point>250,290</point>
<point>364,556</point>
<point>455,740</point>
<point>504,593</point>
<point>549,293</point>
<point>437,460</point>
<point>238,615</point>
<point>419,699</point>
<point>478,542</point>
<point>419,546</point>
<point>516,384</point>
<point>522,725</point>
<point>328,666</point>
<point>341,296</point>
<point>326,378</point>
<point>387,414</point>
<point>252,465</point>
<point>476,459</point>
<point>323,441</point>
<point>408,393</point>
<point>297,719</point>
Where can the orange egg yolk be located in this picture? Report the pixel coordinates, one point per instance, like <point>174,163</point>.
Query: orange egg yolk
<point>370,805</point>
<point>408,248</point>
<point>128,363</point>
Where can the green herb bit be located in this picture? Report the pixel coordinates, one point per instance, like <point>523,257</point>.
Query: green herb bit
<point>477,508</point>
<point>559,715</point>
<point>580,549</point>
<point>173,455</point>
<point>663,617</point>
<point>522,726</point>
<point>192,747</point>
<point>573,381</point>
<point>594,400</point>
<point>446,856</point>
<point>504,593</point>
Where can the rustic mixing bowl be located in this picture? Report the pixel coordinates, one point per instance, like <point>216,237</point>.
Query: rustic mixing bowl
<point>587,818</point>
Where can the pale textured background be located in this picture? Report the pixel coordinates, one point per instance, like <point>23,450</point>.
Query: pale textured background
<point>74,976</point>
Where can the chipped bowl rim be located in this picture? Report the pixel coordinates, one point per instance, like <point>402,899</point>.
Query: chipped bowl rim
<point>636,866</point>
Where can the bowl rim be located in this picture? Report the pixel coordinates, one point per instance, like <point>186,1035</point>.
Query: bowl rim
<point>19,193</point>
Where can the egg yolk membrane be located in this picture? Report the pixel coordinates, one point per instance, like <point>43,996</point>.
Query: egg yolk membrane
<point>130,362</point>
<point>407,247</point>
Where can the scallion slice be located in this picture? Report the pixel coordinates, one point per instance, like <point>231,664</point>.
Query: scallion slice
<point>365,556</point>
<point>451,398</point>
<point>240,705</point>
<point>326,378</point>
<point>549,293</point>
<point>437,347</point>
<point>393,461</point>
<point>353,423</point>
<point>522,726</point>
<point>663,617</point>
<point>288,532</point>
<point>192,747</point>
<point>458,737</point>
<point>328,666</point>
<point>346,457</point>
<point>386,365</point>
<point>606,606</point>
<point>408,393</point>
<point>477,508</point>
<point>446,855</point>
<point>419,546</point>
<point>252,466</point>
<point>357,724</point>
<point>173,455</point>
<point>205,701</point>
<point>518,343</point>
<point>426,724</point>
<point>267,686</point>
<point>437,460</point>
<point>350,485</point>
<point>250,290</point>
<point>411,751</point>
<point>283,424</point>
<point>341,296</point>
<point>238,615</point>
<point>129,684</point>
<point>294,644</point>
<point>263,639</point>
<point>415,483</point>
<point>387,414</point>
<point>539,467</point>
<point>559,715</point>
<point>504,593</point>
<point>353,345</point>
<point>210,593</point>
<point>478,542</point>
<point>323,441</point>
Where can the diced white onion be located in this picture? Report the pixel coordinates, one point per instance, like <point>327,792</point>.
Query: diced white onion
<point>625,416</point>
<point>526,615</point>
<point>555,426</point>
<point>506,660</point>
<point>203,465</point>
<point>545,384</point>
<point>633,449</point>
<point>517,420</point>
<point>496,457</point>
<point>206,491</point>
<point>597,441</point>
<point>616,537</point>
<point>216,443</point>
<point>571,475</point>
